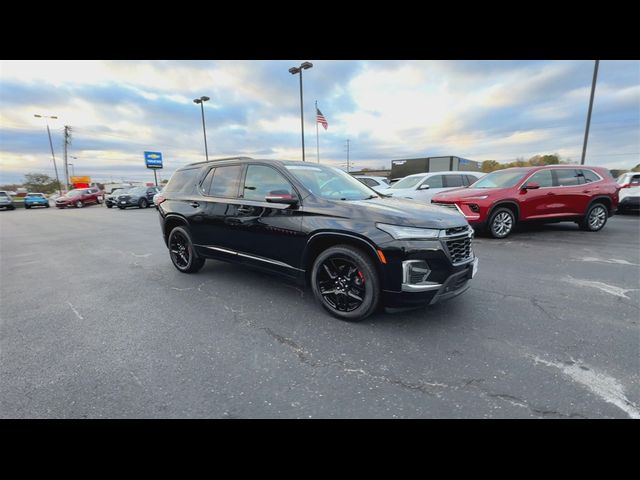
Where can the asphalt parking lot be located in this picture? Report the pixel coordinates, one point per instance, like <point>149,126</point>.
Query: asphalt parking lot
<point>96,322</point>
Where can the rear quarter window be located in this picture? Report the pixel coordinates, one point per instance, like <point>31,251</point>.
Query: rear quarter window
<point>183,181</point>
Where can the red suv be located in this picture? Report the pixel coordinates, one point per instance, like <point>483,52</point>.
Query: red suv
<point>80,197</point>
<point>585,195</point>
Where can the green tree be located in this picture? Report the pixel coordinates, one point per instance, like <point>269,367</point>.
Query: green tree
<point>490,166</point>
<point>636,168</point>
<point>40,182</point>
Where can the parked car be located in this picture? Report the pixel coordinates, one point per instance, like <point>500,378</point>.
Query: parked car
<point>423,186</point>
<point>379,184</point>
<point>140,197</point>
<point>80,197</point>
<point>36,200</point>
<point>6,202</point>
<point>111,199</point>
<point>157,196</point>
<point>316,225</point>
<point>629,194</point>
<point>585,195</point>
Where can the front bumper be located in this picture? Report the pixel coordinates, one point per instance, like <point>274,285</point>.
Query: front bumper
<point>454,285</point>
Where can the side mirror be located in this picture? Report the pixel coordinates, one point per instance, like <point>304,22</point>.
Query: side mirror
<point>531,186</point>
<point>276,197</point>
<point>423,187</point>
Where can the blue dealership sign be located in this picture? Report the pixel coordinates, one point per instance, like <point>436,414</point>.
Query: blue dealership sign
<point>153,159</point>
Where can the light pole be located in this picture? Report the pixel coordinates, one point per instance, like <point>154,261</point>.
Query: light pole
<point>586,130</point>
<point>46,117</point>
<point>73,172</point>
<point>201,101</point>
<point>294,71</point>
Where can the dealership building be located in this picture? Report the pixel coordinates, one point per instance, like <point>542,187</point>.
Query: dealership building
<point>408,166</point>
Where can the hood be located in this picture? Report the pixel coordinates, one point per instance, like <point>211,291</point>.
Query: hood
<point>400,211</point>
<point>462,193</point>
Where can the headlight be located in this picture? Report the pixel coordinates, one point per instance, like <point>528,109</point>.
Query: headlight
<point>479,197</point>
<point>403,233</point>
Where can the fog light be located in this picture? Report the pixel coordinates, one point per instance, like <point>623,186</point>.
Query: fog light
<point>415,272</point>
<point>474,208</point>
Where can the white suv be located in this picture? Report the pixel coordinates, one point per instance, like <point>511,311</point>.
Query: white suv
<point>423,186</point>
<point>379,184</point>
<point>629,194</point>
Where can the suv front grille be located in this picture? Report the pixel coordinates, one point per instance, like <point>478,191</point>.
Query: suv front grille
<point>456,230</point>
<point>459,249</point>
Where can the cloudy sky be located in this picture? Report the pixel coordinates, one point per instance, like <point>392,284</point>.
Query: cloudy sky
<point>480,110</point>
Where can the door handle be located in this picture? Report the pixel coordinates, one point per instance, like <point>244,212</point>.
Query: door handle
<point>550,193</point>
<point>194,204</point>
<point>586,191</point>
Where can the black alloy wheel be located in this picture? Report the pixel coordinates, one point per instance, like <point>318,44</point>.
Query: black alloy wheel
<point>345,282</point>
<point>182,253</point>
<point>143,203</point>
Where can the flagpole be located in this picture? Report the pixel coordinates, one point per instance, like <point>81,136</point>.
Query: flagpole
<point>317,135</point>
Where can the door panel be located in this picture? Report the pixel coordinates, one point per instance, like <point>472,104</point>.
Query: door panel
<point>541,202</point>
<point>268,234</point>
<point>571,196</point>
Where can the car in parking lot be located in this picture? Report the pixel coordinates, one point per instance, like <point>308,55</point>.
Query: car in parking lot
<point>585,195</point>
<point>629,194</point>
<point>379,184</point>
<point>157,196</point>
<point>423,186</point>
<point>141,197</point>
<point>36,200</point>
<point>111,199</point>
<point>318,226</point>
<point>6,202</point>
<point>80,197</point>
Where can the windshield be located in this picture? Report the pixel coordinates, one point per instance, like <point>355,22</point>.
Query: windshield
<point>137,191</point>
<point>504,179</point>
<point>36,195</point>
<point>3,194</point>
<point>407,182</point>
<point>331,183</point>
<point>75,193</point>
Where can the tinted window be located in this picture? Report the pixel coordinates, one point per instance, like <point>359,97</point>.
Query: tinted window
<point>471,179</point>
<point>635,180</point>
<point>182,181</point>
<point>543,178</point>
<point>567,177</point>
<point>226,181</point>
<point>501,179</point>
<point>330,183</point>
<point>261,181</point>
<point>3,194</point>
<point>434,181</point>
<point>206,183</point>
<point>453,181</point>
<point>589,176</point>
<point>369,181</point>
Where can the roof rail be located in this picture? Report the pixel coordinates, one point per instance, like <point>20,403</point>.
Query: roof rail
<point>219,160</point>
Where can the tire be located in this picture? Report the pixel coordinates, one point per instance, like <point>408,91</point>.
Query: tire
<point>182,253</point>
<point>143,203</point>
<point>27,207</point>
<point>501,223</point>
<point>79,204</point>
<point>47,205</point>
<point>595,219</point>
<point>109,205</point>
<point>358,289</point>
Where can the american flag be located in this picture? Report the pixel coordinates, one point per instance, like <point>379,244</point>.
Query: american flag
<point>320,119</point>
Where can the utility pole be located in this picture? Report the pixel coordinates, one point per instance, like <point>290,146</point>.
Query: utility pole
<point>586,132</point>
<point>348,155</point>
<point>67,142</point>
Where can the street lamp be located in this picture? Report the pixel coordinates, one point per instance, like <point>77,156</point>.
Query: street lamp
<point>201,101</point>
<point>46,117</point>
<point>294,71</point>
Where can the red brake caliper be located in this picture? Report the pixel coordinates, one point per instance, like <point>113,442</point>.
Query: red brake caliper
<point>360,278</point>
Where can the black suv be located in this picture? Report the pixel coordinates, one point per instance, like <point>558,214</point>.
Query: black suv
<point>317,225</point>
<point>140,197</point>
